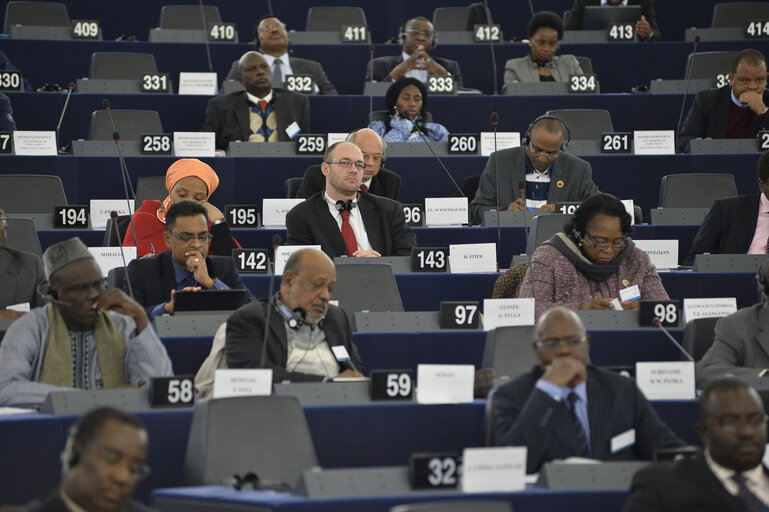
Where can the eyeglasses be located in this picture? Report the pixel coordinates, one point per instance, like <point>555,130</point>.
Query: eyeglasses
<point>745,81</point>
<point>272,26</point>
<point>203,237</point>
<point>415,33</point>
<point>112,457</point>
<point>378,157</point>
<point>614,247</point>
<point>548,44</point>
<point>346,164</point>
<point>551,344</point>
<point>537,151</point>
<point>733,422</point>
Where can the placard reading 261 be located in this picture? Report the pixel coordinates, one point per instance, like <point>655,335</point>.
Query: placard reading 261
<point>583,84</point>
<point>155,144</point>
<point>242,215</point>
<point>156,82</point>
<point>251,261</point>
<point>616,142</point>
<point>463,143</point>
<point>441,84</point>
<point>429,259</point>
<point>71,216</point>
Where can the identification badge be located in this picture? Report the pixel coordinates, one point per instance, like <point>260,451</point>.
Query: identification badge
<point>623,440</point>
<point>630,293</point>
<point>340,352</point>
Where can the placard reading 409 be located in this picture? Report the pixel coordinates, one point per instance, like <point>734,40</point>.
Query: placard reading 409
<point>155,144</point>
<point>85,29</point>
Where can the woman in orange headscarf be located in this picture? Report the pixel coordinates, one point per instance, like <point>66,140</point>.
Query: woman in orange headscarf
<point>190,179</point>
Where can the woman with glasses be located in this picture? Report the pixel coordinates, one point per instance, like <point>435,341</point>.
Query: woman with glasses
<point>587,264</point>
<point>406,102</point>
<point>545,32</point>
<point>188,178</point>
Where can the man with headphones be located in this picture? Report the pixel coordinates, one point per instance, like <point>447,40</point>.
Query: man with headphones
<point>21,274</point>
<point>308,339</point>
<point>419,39</point>
<point>741,346</point>
<point>535,175</point>
<point>103,460</point>
<point>345,221</point>
<point>271,40</point>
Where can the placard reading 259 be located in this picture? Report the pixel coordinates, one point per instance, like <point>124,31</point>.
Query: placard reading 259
<point>463,143</point>
<point>310,144</point>
<point>155,144</point>
<point>616,142</point>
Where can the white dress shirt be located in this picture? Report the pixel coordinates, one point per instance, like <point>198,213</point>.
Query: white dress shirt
<point>755,479</point>
<point>356,221</point>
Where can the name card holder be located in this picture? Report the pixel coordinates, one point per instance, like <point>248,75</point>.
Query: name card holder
<point>240,382</point>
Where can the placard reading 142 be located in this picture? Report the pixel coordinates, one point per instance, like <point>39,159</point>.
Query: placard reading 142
<point>251,261</point>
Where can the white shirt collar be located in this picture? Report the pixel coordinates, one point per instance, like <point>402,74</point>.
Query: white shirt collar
<point>270,59</point>
<point>254,99</point>
<point>753,476</point>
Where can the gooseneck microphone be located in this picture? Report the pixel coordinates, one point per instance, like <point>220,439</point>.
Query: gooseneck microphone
<point>113,215</point>
<point>277,240</point>
<point>123,171</point>
<point>70,88</point>
<point>205,39</point>
<point>371,81</point>
<point>671,338</point>
<point>494,122</point>
<point>491,48</point>
<point>412,116</point>
<point>686,85</point>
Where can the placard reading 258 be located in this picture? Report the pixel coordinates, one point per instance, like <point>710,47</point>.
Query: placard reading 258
<point>155,144</point>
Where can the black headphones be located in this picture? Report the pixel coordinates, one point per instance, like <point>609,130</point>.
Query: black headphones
<point>348,205</point>
<point>402,34</point>
<point>247,482</point>
<point>294,318</point>
<point>527,137</point>
<point>5,222</point>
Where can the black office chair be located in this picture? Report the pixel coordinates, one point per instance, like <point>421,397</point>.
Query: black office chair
<point>331,19</point>
<point>31,193</point>
<point>21,234</point>
<point>469,187</point>
<point>36,14</point>
<point>121,65</point>
<point>116,278</point>
<point>738,13</point>
<point>291,187</point>
<point>114,237</point>
<point>706,65</point>
<point>699,336</point>
<point>542,228</point>
<point>586,64</point>
<point>696,190</point>
<point>131,124</point>
<point>508,351</point>
<point>150,187</point>
<point>455,506</point>
<point>189,17</point>
<point>584,124</point>
<point>460,19</point>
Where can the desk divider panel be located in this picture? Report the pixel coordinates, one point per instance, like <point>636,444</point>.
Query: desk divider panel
<point>192,323</point>
<point>399,264</point>
<point>678,216</point>
<point>82,401</point>
<point>398,321</point>
<point>720,263</point>
<point>326,393</point>
<point>589,477</point>
<point>723,146</point>
<point>359,482</point>
<point>613,321</point>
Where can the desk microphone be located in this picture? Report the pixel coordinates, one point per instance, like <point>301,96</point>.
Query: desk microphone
<point>671,338</point>
<point>494,122</point>
<point>686,84</point>
<point>113,215</point>
<point>371,81</point>
<point>412,116</point>
<point>531,8</point>
<point>70,88</point>
<point>205,39</point>
<point>276,241</point>
<point>491,48</point>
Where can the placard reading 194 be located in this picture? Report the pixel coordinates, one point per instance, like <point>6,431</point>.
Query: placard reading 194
<point>221,32</point>
<point>414,214</point>
<point>486,33</point>
<point>616,142</point>
<point>155,144</point>
<point>463,143</point>
<point>441,84</point>
<point>156,82</point>
<point>6,143</point>
<point>10,81</point>
<point>85,29</point>
<point>429,259</point>
<point>242,215</point>
<point>70,216</point>
<point>309,144</point>
<point>300,83</point>
<point>583,84</point>
<point>621,32</point>
<point>354,33</point>
<point>763,140</point>
<point>757,29</point>
<point>251,261</point>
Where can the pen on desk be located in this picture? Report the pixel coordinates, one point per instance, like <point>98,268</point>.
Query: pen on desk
<point>152,248</point>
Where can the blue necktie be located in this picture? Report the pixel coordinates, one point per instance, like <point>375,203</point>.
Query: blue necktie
<point>751,500</point>
<point>571,407</point>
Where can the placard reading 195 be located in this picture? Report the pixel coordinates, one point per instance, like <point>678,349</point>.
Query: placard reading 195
<point>85,29</point>
<point>392,384</point>
<point>6,143</point>
<point>486,33</point>
<point>666,312</point>
<point>177,391</point>
<point>621,32</point>
<point>441,84</point>
<point>583,84</point>
<point>310,144</point>
<point>567,208</point>
<point>428,470</point>
<point>616,142</point>
<point>299,83</point>
<point>10,81</point>
<point>463,143</point>
<point>722,80</point>
<point>156,82</point>
<point>429,259</point>
<point>354,33</point>
<point>71,216</point>
<point>155,144</point>
<point>221,32</point>
<point>757,29</point>
<point>414,214</point>
<point>242,215</point>
<point>763,140</point>
<point>251,261</point>
<point>459,315</point>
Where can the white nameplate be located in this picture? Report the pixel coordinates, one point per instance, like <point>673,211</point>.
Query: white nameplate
<point>500,469</point>
<point>333,138</point>
<point>242,382</point>
<point>34,143</point>
<point>654,142</point>
<point>101,208</point>
<point>198,83</point>
<point>110,257</point>
<point>21,307</point>
<point>445,383</point>
<point>194,144</point>
<point>662,253</point>
<point>505,312</point>
<point>704,308</point>
<point>274,211</point>
<point>473,258</point>
<point>672,380</point>
<point>283,252</point>
<point>505,140</point>
<point>446,211</point>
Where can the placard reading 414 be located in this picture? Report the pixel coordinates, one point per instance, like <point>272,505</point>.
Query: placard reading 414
<point>757,29</point>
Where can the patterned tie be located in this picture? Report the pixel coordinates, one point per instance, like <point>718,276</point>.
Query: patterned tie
<point>277,74</point>
<point>751,500</point>
<point>348,234</point>
<point>571,407</point>
<point>364,188</point>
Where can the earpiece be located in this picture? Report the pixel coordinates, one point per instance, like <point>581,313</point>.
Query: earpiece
<point>70,456</point>
<point>297,318</point>
<point>567,134</point>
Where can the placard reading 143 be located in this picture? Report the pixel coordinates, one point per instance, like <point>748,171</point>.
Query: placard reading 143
<point>429,259</point>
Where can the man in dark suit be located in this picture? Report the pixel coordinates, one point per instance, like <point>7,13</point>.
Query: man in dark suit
<point>21,273</point>
<point>376,179</point>
<point>735,112</point>
<point>646,27</point>
<point>345,221</point>
<point>729,475</point>
<point>736,225</point>
<point>418,38</point>
<point>565,407</point>
<point>186,267</point>
<point>309,340</point>
<point>258,114</point>
<point>271,40</point>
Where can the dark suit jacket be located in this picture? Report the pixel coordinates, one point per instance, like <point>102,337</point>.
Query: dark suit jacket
<point>245,331</point>
<point>683,486</point>
<point>311,223</point>
<point>152,278</point>
<point>728,228</point>
<point>709,117</point>
<point>299,67</point>
<point>227,116</point>
<point>20,274</point>
<point>525,416</point>
<point>54,503</point>
<point>573,20</point>
<point>383,66</point>
<point>385,183</point>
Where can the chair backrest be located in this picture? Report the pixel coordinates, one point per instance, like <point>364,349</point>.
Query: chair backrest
<point>737,13</point>
<point>31,193</point>
<point>116,277</point>
<point>469,187</point>
<point>455,506</point>
<point>150,187</point>
<point>586,64</point>
<point>699,336</point>
<point>584,124</point>
<point>121,65</point>
<point>22,235</point>
<point>331,19</point>
<point>450,19</point>
<point>188,16</point>
<point>489,431</point>
<point>131,124</point>
<point>542,228</point>
<point>354,298</point>
<point>706,65</point>
<point>36,14</point>
<point>508,351</point>
<point>291,187</point>
<point>696,190</point>
<point>114,237</point>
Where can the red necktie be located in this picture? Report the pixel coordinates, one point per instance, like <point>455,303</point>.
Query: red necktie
<point>348,234</point>
<point>364,188</point>
<point>262,105</point>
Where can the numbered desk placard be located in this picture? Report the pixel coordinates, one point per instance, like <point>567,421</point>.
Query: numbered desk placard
<point>274,211</point>
<point>721,79</point>
<point>446,211</point>
<point>757,29</point>
<point>251,261</point>
<point>11,81</point>
<point>654,142</point>
<point>710,307</point>
<point>155,144</point>
<point>299,83</point>
<point>85,29</point>
<point>434,470</point>
<point>112,257</point>
<point>34,143</point>
<point>487,33</point>
<point>621,32</point>
<point>6,143</point>
<point>101,209</point>
<point>392,384</point>
<point>441,84</point>
<point>445,383</point>
<point>177,391</point>
<point>473,258</point>
<point>666,380</point>
<point>567,208</point>
<point>194,144</point>
<point>463,144</point>
<point>499,469</point>
<point>460,315</point>
<point>616,142</point>
<point>502,140</point>
<point>156,82</point>
<point>219,31</point>
<point>354,33</point>
<point>666,312</point>
<point>310,144</point>
<point>583,84</point>
<point>230,382</point>
<point>242,215</point>
<point>71,217</point>
<point>283,252</point>
<point>429,259</point>
<point>763,140</point>
<point>506,312</point>
<point>414,213</point>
